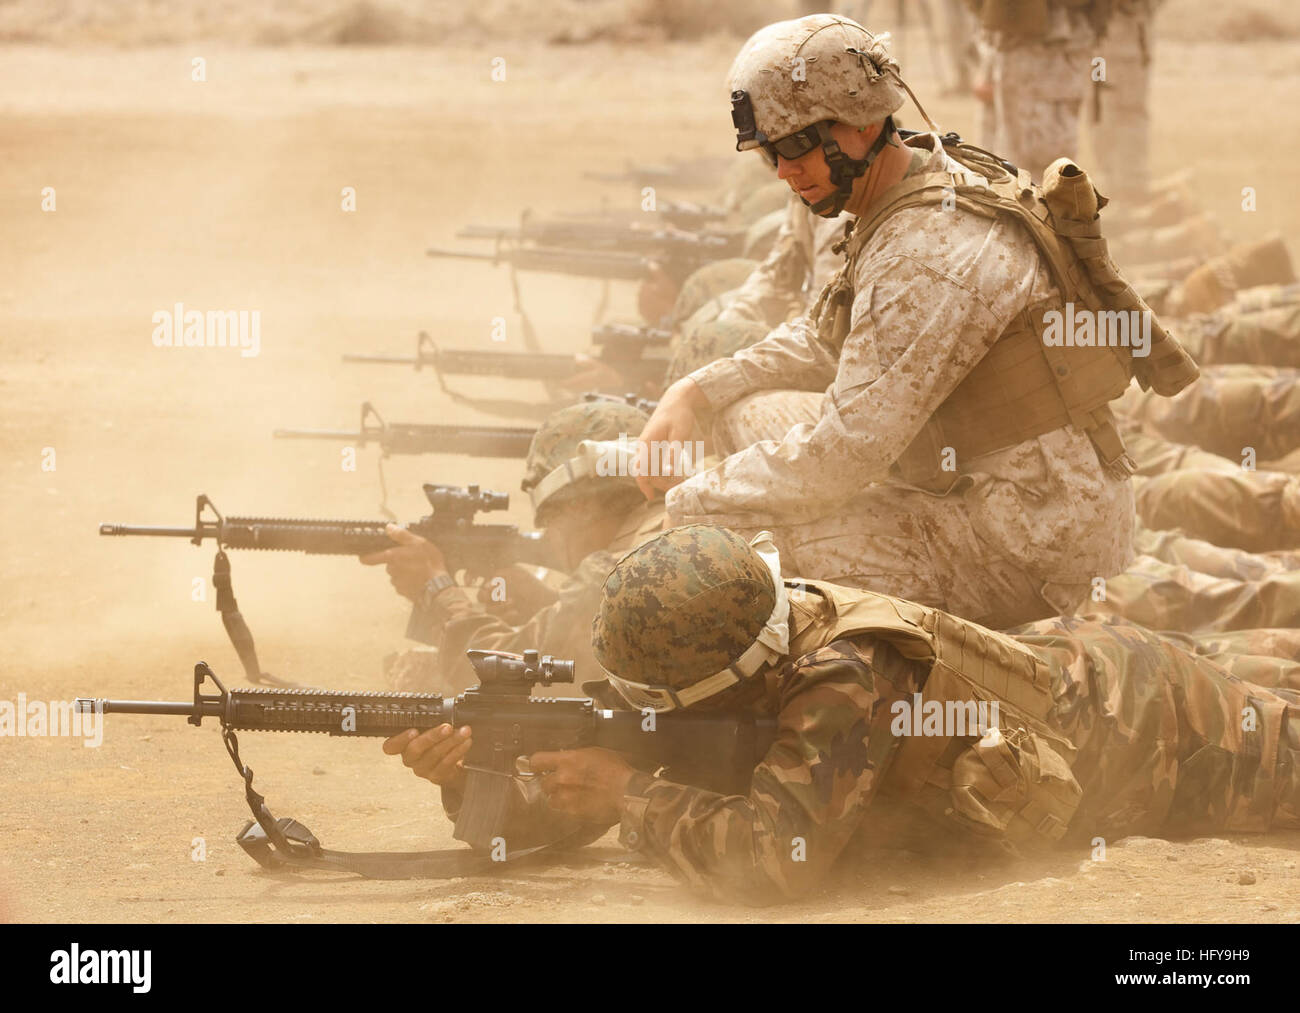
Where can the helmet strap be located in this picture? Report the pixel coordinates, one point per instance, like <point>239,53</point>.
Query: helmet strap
<point>846,171</point>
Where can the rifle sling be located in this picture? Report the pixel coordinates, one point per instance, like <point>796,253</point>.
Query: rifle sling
<point>241,637</point>
<point>279,843</point>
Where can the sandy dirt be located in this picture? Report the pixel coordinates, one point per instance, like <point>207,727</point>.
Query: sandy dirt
<point>226,194</point>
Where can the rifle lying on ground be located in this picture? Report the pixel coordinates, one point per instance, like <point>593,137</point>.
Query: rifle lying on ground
<point>480,549</point>
<point>621,348</point>
<point>426,438</point>
<point>710,748</point>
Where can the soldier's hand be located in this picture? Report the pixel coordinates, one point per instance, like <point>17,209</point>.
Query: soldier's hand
<point>436,754</point>
<point>412,562</point>
<point>588,784</point>
<point>670,427</point>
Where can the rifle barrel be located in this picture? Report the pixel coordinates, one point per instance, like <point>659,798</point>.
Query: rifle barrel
<point>132,529</point>
<point>350,435</point>
<point>395,360</point>
<point>87,704</point>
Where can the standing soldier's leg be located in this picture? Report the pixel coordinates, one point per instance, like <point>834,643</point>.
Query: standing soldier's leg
<point>1120,130</point>
<point>1038,90</point>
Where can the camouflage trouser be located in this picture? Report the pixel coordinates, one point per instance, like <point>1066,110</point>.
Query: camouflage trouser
<point>1268,337</point>
<point>1264,657</point>
<point>1154,455</point>
<point>1038,90</point>
<point>1120,131</point>
<point>892,539</point>
<point>1229,411</point>
<point>1169,743</point>
<point>1164,596</point>
<point>1258,511</point>
<point>1216,560</point>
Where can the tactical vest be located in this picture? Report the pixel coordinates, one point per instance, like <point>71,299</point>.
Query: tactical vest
<point>1016,785</point>
<point>1023,387</point>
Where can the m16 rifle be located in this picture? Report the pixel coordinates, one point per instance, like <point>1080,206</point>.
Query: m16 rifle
<point>623,349</point>
<point>479,549</point>
<point>714,749</point>
<point>682,214</point>
<point>653,242</point>
<point>420,437</point>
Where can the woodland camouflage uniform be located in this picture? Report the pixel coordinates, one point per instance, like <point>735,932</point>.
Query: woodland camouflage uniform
<point>1167,741</point>
<point>455,621</point>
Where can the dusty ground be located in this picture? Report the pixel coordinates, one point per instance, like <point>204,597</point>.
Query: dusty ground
<point>225,194</point>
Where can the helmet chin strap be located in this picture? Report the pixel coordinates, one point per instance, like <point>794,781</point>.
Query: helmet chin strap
<point>846,171</point>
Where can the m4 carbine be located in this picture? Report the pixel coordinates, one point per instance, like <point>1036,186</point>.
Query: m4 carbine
<point>623,349</point>
<point>424,438</point>
<point>714,749</point>
<point>676,254</point>
<point>479,549</point>
<point>652,242</point>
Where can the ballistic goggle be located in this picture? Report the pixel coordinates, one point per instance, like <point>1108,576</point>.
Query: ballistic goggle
<point>790,147</point>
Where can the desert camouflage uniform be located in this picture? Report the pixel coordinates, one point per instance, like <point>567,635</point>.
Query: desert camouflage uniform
<point>780,288</point>
<point>801,262</point>
<point>1165,596</point>
<point>1219,561</point>
<point>1154,455</point>
<point>1258,511</point>
<point>1039,87</point>
<point>1265,337</point>
<point>1036,523</point>
<point>1264,657</point>
<point>1121,130</point>
<point>1158,729</point>
<point>1230,408</point>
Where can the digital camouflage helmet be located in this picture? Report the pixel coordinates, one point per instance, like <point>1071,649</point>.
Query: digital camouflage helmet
<point>556,474</point>
<point>793,79</point>
<point>691,613</point>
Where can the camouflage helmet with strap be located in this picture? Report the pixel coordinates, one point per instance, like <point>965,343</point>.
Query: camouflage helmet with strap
<point>793,79</point>
<point>689,614</point>
<point>556,444</point>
